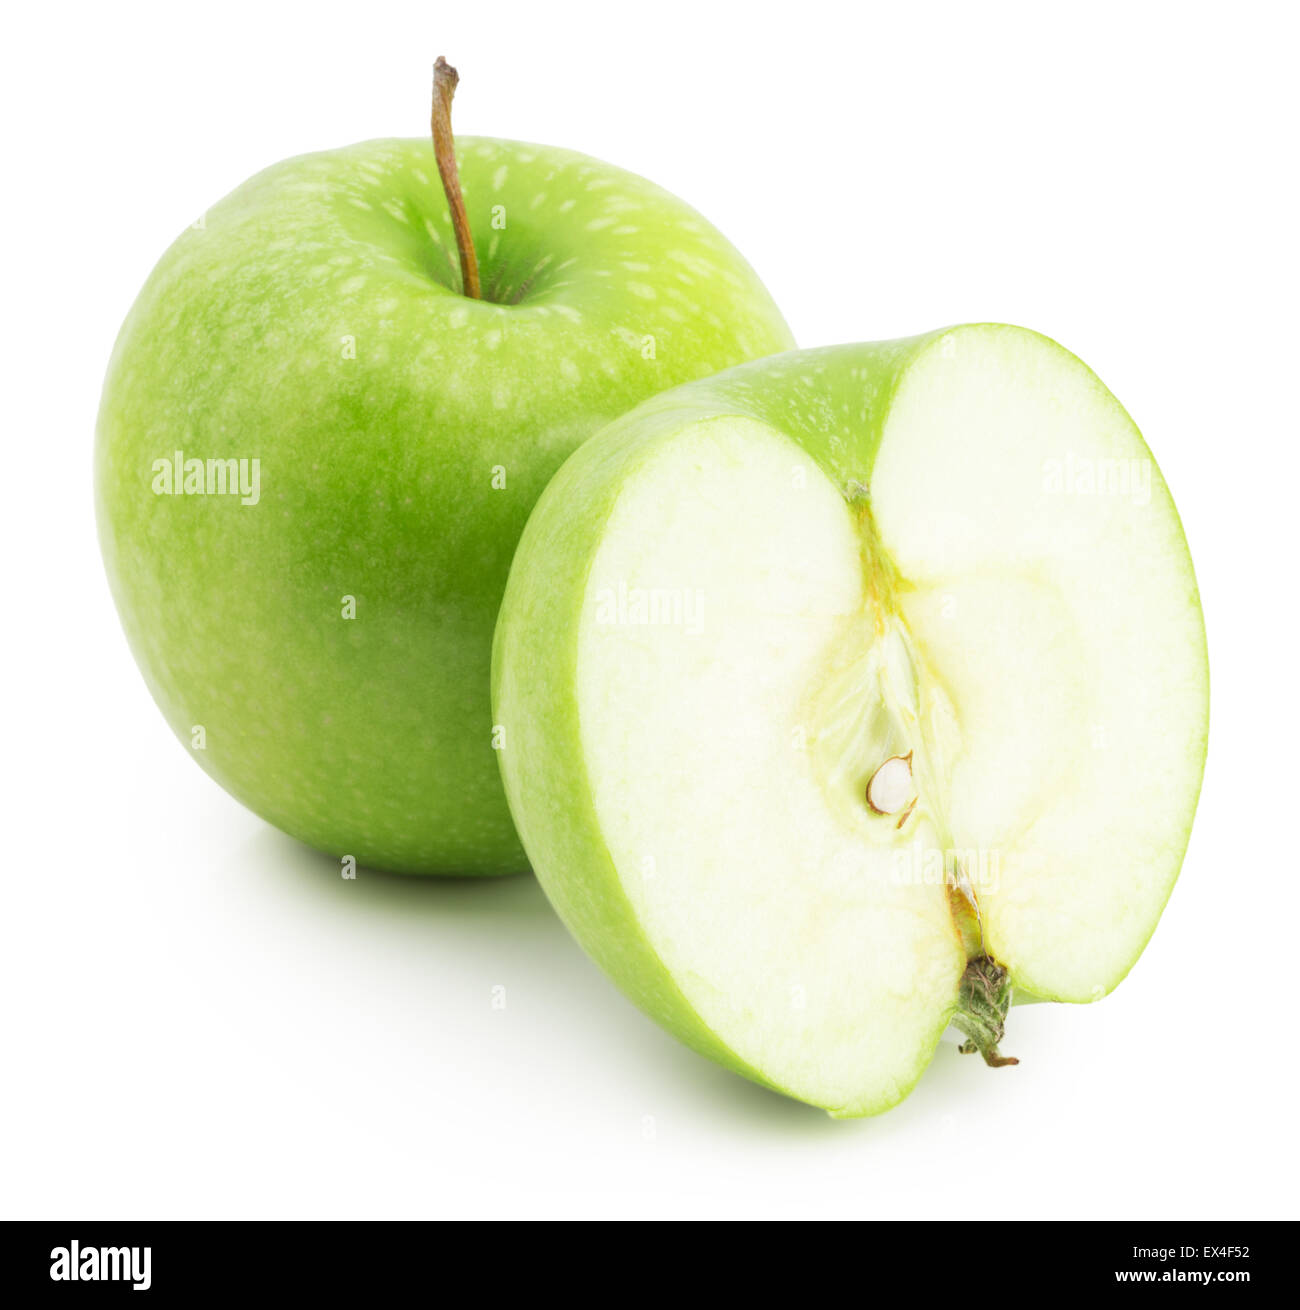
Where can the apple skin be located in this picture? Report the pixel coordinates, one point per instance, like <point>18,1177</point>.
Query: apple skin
<point>312,321</point>
<point>834,403</point>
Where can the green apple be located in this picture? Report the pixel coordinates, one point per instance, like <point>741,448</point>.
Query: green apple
<point>315,457</point>
<point>852,690</point>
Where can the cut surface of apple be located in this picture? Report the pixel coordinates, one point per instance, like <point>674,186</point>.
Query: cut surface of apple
<point>849,691</point>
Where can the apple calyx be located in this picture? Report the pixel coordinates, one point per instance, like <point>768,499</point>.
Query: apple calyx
<point>981,1013</point>
<point>445,81</point>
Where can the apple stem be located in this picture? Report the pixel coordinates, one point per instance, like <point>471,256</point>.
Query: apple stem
<point>981,1013</point>
<point>445,80</point>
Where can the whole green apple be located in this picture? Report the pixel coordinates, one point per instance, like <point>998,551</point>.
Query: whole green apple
<point>848,693</point>
<point>315,456</point>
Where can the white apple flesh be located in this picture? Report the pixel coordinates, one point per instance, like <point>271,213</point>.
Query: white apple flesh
<point>843,699</point>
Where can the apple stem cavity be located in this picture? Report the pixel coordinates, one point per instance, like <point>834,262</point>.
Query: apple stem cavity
<point>981,1013</point>
<point>445,81</point>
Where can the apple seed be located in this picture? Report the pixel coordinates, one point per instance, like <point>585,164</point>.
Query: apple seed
<point>890,787</point>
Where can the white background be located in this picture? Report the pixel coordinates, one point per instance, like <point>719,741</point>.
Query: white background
<point>200,1018</point>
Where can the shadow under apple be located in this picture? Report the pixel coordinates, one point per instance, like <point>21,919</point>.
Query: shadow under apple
<point>499,919</point>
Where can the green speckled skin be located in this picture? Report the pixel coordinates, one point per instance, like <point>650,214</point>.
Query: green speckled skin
<point>833,402</point>
<point>313,322</point>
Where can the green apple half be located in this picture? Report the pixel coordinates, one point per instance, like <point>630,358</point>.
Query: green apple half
<point>851,690</point>
<point>323,638</point>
